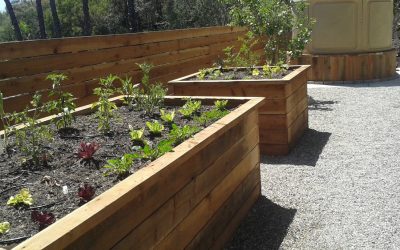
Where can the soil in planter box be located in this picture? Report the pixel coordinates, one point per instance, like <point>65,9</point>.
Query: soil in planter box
<point>55,187</point>
<point>239,74</point>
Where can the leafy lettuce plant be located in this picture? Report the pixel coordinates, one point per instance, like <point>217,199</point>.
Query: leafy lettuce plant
<point>190,108</point>
<point>167,117</point>
<point>155,128</point>
<point>87,150</point>
<point>4,227</point>
<point>180,134</point>
<point>43,219</point>
<point>120,166</point>
<point>220,104</point>
<point>24,197</point>
<point>86,192</point>
<point>63,103</point>
<point>152,153</point>
<point>136,135</point>
<point>210,116</point>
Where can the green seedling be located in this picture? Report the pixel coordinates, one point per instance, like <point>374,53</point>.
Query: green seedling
<point>178,134</point>
<point>119,166</point>
<point>24,197</point>
<point>221,104</point>
<point>167,117</point>
<point>4,227</point>
<point>155,128</point>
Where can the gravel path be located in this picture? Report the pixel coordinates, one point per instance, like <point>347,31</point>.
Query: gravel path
<point>340,187</point>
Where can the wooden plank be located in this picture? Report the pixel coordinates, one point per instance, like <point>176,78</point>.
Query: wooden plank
<point>30,84</point>
<point>219,223</point>
<point>141,189</point>
<point>274,149</point>
<point>155,193</point>
<point>43,64</point>
<point>239,217</point>
<point>192,224</point>
<point>178,207</point>
<point>298,127</point>
<point>14,50</point>
<point>276,121</point>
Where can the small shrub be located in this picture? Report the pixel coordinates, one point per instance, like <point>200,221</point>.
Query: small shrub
<point>245,57</point>
<point>33,137</point>
<point>128,89</point>
<point>63,103</point>
<point>105,108</point>
<point>221,104</point>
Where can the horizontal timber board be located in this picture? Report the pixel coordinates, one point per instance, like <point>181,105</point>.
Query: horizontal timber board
<point>37,65</point>
<point>165,219</point>
<point>14,50</point>
<point>202,213</point>
<point>161,187</point>
<point>218,224</point>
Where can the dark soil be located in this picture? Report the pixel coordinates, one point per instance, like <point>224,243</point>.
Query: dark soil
<point>241,74</point>
<point>66,169</point>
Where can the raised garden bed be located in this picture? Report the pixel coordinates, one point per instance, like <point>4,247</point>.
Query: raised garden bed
<point>284,115</point>
<point>194,196</point>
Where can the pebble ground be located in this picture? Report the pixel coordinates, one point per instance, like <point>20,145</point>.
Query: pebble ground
<point>340,186</point>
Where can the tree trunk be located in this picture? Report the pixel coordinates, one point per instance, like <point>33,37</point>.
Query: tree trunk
<point>87,29</point>
<point>14,20</point>
<point>56,20</point>
<point>132,16</point>
<point>159,15</point>
<point>39,11</point>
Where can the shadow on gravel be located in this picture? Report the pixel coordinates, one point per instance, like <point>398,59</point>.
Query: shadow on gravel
<point>306,152</point>
<point>320,105</point>
<point>265,226</point>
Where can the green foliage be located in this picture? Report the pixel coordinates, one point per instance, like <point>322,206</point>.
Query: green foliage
<point>211,116</point>
<point>4,227</point>
<point>221,104</point>
<point>255,72</point>
<point>105,108</point>
<point>119,166</point>
<point>270,71</point>
<point>155,128</point>
<point>190,108</point>
<point>63,103</point>
<point>275,19</point>
<point>128,89</point>
<point>7,127</point>
<point>167,117</point>
<point>180,134</point>
<point>136,135</point>
<point>149,96</point>
<point>33,138</point>
<point>152,153</point>
<point>203,73</point>
<point>24,197</point>
<point>245,57</point>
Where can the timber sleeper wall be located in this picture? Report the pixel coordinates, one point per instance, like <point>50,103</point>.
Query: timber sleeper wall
<point>193,197</point>
<point>25,65</point>
<point>283,117</point>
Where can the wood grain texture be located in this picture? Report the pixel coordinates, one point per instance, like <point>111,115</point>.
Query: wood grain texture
<point>285,100</point>
<point>25,65</point>
<point>111,216</point>
<point>351,67</point>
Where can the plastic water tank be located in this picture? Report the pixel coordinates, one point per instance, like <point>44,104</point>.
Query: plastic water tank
<point>351,26</point>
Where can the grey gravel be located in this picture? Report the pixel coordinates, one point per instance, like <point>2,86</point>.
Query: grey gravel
<point>340,186</point>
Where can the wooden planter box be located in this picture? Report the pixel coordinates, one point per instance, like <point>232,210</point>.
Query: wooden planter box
<point>283,117</point>
<point>192,197</point>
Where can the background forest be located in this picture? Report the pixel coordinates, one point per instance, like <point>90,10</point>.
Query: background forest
<point>67,18</point>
